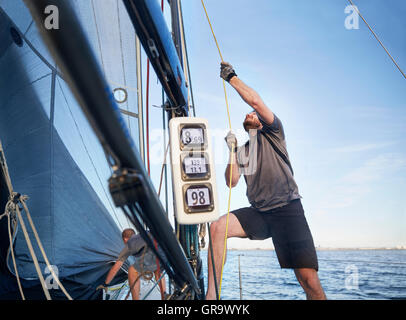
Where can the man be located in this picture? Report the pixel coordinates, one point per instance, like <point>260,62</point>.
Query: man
<point>145,263</point>
<point>276,210</point>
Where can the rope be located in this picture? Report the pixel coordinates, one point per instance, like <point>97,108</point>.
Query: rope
<point>232,154</point>
<point>132,286</point>
<point>55,277</point>
<point>7,212</point>
<point>211,28</point>
<point>376,37</point>
<point>12,206</point>
<point>32,253</point>
<point>221,57</point>
<point>11,237</point>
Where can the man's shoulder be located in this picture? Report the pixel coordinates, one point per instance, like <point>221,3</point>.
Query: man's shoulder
<point>275,126</point>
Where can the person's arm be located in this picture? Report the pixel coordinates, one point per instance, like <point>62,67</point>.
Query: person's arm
<point>249,95</point>
<point>232,143</point>
<point>110,276</point>
<point>124,254</point>
<point>235,172</point>
<point>113,271</point>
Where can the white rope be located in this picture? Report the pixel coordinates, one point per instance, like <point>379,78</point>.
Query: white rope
<point>11,237</point>
<point>32,253</point>
<point>12,207</point>
<point>55,277</point>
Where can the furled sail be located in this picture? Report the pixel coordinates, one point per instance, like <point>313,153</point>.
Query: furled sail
<point>53,157</point>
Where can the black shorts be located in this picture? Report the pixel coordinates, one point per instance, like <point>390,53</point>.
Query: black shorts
<point>289,230</point>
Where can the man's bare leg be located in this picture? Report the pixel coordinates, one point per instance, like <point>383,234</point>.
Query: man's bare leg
<point>135,288</point>
<point>218,231</point>
<point>162,284</point>
<point>309,280</point>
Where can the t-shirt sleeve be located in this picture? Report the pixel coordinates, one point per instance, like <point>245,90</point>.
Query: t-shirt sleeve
<point>275,126</point>
<point>124,254</point>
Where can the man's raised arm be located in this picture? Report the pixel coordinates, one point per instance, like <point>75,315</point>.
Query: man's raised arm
<point>249,95</point>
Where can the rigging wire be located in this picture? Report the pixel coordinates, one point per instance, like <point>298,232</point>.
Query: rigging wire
<point>163,169</point>
<point>147,118</point>
<point>89,155</point>
<point>212,262</point>
<point>147,142</point>
<point>184,61</point>
<point>122,63</point>
<point>187,61</point>
<point>231,156</point>
<point>377,38</point>
<point>161,289</point>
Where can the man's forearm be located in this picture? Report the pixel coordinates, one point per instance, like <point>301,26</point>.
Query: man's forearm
<point>235,172</point>
<point>113,271</point>
<point>249,95</point>
<point>252,98</point>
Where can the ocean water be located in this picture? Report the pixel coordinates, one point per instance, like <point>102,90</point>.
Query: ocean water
<point>344,275</point>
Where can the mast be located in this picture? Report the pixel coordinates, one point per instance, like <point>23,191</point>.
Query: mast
<point>189,237</point>
<point>155,38</point>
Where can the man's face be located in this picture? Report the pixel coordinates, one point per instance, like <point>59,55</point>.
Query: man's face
<point>252,122</point>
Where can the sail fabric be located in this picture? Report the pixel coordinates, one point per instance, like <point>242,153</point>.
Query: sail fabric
<point>52,155</point>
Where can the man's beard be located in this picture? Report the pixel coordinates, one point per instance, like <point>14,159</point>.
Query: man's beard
<point>252,124</point>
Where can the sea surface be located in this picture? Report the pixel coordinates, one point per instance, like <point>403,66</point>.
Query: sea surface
<point>344,275</point>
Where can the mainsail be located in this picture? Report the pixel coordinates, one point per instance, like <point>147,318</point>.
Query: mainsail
<point>53,157</point>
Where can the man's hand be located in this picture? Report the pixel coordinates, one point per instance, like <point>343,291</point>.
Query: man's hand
<point>230,140</point>
<point>102,286</point>
<point>226,71</point>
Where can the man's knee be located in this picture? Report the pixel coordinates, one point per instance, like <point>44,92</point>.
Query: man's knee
<point>308,278</point>
<point>218,228</point>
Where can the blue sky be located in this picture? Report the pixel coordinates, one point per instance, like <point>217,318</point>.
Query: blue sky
<point>341,100</point>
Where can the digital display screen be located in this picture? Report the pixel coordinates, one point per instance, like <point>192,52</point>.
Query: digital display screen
<point>192,136</point>
<point>195,165</point>
<point>198,197</point>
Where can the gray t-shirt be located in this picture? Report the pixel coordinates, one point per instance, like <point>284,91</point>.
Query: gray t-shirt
<point>145,259</point>
<point>270,182</point>
<point>134,247</point>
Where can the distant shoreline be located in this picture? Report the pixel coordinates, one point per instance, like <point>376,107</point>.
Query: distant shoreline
<point>322,249</point>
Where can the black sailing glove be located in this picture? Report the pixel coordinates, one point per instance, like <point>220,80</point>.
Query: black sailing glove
<point>227,71</point>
